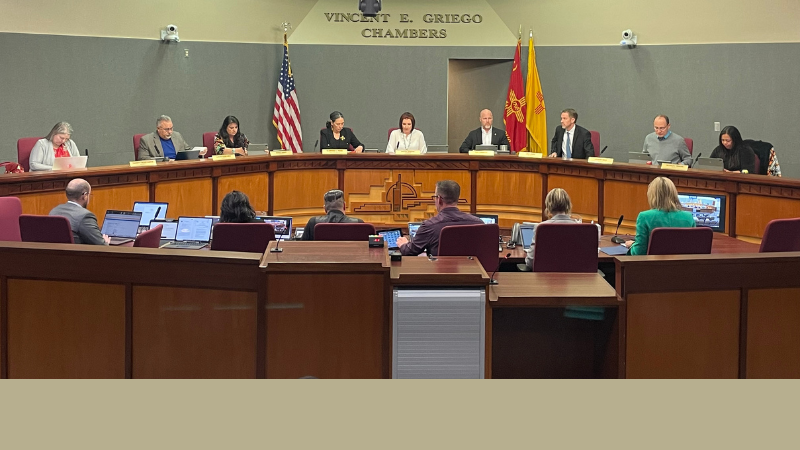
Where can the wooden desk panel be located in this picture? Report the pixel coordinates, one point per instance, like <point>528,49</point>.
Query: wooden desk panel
<point>60,329</point>
<point>754,212</point>
<point>773,334</point>
<point>513,196</point>
<point>255,185</point>
<point>42,202</point>
<point>191,197</point>
<point>298,193</point>
<point>582,191</point>
<point>439,271</point>
<point>119,197</point>
<point>626,198</point>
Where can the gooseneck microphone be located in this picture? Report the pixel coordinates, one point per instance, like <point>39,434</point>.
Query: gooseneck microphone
<point>277,248</point>
<point>491,279</point>
<point>604,149</point>
<point>315,145</point>
<point>616,239</point>
<point>695,160</point>
<point>86,152</point>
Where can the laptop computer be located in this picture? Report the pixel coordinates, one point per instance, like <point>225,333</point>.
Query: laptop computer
<point>193,233</point>
<point>639,158</point>
<point>298,233</point>
<point>150,211</point>
<point>257,149</point>
<point>70,162</point>
<point>168,231</point>
<point>390,237</point>
<point>282,226</point>
<point>709,164</point>
<point>121,226</point>
<point>437,149</point>
<point>526,231</point>
<point>487,218</point>
<point>486,147</point>
<point>188,154</point>
<point>412,229</point>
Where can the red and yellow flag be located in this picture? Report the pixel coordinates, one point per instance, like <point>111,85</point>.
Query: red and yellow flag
<point>515,111</point>
<point>536,117</point>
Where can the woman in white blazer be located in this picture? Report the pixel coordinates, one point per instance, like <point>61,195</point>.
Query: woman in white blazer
<point>406,137</point>
<point>57,144</point>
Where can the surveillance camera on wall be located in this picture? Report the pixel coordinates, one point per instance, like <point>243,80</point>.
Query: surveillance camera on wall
<point>170,34</point>
<point>369,8</point>
<point>628,39</point>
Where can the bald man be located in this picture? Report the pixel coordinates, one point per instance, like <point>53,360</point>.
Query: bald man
<point>485,135</point>
<point>82,221</point>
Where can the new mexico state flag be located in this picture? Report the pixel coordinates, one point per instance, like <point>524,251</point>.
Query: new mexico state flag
<point>536,118</point>
<point>515,111</point>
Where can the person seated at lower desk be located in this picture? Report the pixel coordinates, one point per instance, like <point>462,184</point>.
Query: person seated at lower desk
<point>427,238</point>
<point>82,221</point>
<point>236,208</point>
<point>230,139</point>
<point>665,211</point>
<point>57,144</point>
<point>736,155</point>
<point>335,135</point>
<point>334,213</point>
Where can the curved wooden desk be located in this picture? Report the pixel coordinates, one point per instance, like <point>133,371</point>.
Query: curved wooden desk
<point>392,190</point>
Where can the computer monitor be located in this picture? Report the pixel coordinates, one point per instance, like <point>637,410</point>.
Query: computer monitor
<point>708,210</point>
<point>150,211</point>
<point>282,225</point>
<point>121,224</point>
<point>391,237</point>
<point>487,218</point>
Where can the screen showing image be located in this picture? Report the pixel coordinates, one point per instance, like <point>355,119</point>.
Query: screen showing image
<point>168,229</point>
<point>708,210</point>
<point>487,218</point>
<point>390,237</point>
<point>527,235</point>
<point>150,211</point>
<point>282,225</point>
<point>298,232</point>
<point>124,224</point>
<point>412,229</point>
<point>193,229</point>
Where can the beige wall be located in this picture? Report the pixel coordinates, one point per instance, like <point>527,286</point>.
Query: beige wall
<point>556,22</point>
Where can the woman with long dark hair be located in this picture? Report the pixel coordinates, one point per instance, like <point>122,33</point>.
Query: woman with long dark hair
<point>236,208</point>
<point>335,135</point>
<point>736,155</point>
<point>230,139</point>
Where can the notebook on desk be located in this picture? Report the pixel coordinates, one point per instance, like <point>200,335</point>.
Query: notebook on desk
<point>121,226</point>
<point>193,233</point>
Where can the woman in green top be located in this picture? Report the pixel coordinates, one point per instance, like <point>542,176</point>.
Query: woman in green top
<point>665,211</point>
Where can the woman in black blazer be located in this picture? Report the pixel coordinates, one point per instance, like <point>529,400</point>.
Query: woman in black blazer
<point>335,135</point>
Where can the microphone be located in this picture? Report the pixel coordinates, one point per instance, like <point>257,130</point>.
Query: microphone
<point>158,211</point>
<point>491,279</point>
<point>315,145</point>
<point>695,160</point>
<point>86,152</point>
<point>616,239</point>
<point>604,149</point>
<point>277,248</point>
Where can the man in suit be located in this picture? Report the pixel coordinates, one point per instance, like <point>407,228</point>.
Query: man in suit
<point>334,213</point>
<point>165,142</point>
<point>82,221</point>
<point>579,143</point>
<point>485,135</point>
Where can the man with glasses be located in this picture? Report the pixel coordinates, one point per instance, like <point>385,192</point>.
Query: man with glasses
<point>164,143</point>
<point>334,213</point>
<point>427,238</point>
<point>664,145</point>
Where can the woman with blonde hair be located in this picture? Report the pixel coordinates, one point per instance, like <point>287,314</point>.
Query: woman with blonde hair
<point>665,211</point>
<point>557,206</point>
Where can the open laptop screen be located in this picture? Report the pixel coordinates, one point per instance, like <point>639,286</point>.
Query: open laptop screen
<point>169,228</point>
<point>123,224</point>
<point>282,225</point>
<point>194,229</point>
<point>151,211</point>
<point>487,218</point>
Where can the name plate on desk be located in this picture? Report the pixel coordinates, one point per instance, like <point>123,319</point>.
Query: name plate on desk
<point>281,153</point>
<point>529,155</point>
<point>334,151</point>
<point>682,167</point>
<point>144,163</point>
<point>481,153</point>
<point>407,152</point>
<point>223,157</point>
<point>599,160</point>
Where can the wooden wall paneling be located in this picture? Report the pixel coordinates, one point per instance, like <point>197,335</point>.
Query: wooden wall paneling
<point>583,191</point>
<point>193,333</point>
<point>42,202</point>
<point>60,329</point>
<point>683,334</point>
<point>428,178</point>
<point>513,196</point>
<point>190,197</point>
<point>254,185</point>
<point>116,197</point>
<point>754,212</point>
<point>623,198</point>
<point>773,333</point>
<point>298,193</point>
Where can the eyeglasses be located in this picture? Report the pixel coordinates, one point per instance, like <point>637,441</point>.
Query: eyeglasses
<point>434,197</point>
<point>660,128</point>
<point>165,129</point>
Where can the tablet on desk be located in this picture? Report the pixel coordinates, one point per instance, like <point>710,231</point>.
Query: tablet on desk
<point>615,250</point>
<point>391,237</point>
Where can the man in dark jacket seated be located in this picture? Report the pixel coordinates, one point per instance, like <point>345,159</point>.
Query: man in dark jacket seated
<point>334,209</point>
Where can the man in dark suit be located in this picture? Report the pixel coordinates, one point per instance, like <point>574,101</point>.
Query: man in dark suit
<point>334,213</point>
<point>82,221</point>
<point>578,146</point>
<point>485,135</point>
<point>165,142</point>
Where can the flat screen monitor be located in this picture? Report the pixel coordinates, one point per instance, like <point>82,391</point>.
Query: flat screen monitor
<point>487,218</point>
<point>708,210</point>
<point>150,211</point>
<point>391,237</point>
<point>282,225</point>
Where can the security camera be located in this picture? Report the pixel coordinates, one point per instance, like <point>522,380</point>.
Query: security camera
<point>170,34</point>
<point>628,39</point>
<point>627,34</point>
<point>369,8</point>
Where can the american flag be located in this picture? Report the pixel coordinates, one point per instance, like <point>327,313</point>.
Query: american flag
<point>286,116</point>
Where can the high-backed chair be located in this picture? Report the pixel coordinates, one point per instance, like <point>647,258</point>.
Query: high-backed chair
<point>472,240</point>
<point>208,143</point>
<point>52,229</point>
<point>689,144</point>
<point>136,139</point>
<point>595,142</point>
<point>781,235</point>
<point>10,210</point>
<point>150,238</point>
<point>24,147</point>
<point>242,237</point>
<point>343,231</point>
<point>565,247</point>
<point>680,241</point>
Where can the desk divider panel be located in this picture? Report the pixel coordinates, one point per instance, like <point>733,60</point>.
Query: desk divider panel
<point>773,334</point>
<point>189,197</point>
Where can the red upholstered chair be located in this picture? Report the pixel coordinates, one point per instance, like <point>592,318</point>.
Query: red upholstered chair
<point>565,247</point>
<point>136,139</point>
<point>472,240</point>
<point>208,143</point>
<point>596,142</point>
<point>52,229</point>
<point>24,147</point>
<point>150,238</point>
<point>242,237</point>
<point>680,241</point>
<point>781,235</point>
<point>343,231</point>
<point>10,210</point>
<point>690,144</point>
